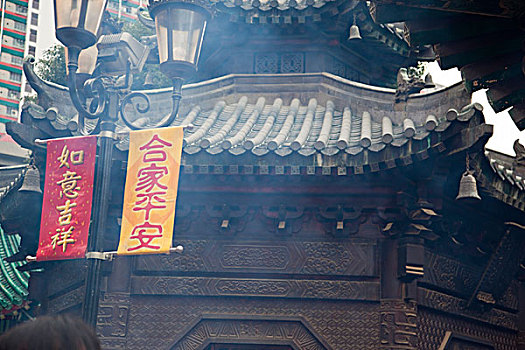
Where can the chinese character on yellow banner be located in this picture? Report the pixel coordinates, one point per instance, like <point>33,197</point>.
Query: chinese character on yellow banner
<point>151,191</point>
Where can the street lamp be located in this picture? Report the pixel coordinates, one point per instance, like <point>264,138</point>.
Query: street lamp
<point>180,26</point>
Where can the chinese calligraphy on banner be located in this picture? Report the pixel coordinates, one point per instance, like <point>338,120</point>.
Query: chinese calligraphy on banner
<point>68,193</point>
<point>151,191</point>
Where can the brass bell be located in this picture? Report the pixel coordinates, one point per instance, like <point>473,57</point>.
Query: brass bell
<point>31,182</point>
<point>429,83</point>
<point>354,33</point>
<point>467,186</point>
<point>148,81</point>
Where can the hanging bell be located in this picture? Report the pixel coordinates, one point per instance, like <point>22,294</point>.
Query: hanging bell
<point>148,81</point>
<point>429,83</point>
<point>467,186</point>
<point>354,33</point>
<point>31,182</point>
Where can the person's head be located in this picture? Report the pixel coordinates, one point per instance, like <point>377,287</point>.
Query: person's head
<point>50,333</point>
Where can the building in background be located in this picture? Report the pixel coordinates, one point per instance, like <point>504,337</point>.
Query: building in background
<point>124,10</point>
<point>18,32</point>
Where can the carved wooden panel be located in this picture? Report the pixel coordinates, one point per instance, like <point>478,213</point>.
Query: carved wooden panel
<point>510,298</point>
<point>65,301</point>
<point>292,62</point>
<point>453,341</point>
<point>450,274</point>
<point>112,320</point>
<point>64,275</point>
<point>253,331</point>
<point>398,325</point>
<point>159,322</point>
<point>271,62</point>
<point>246,347</point>
<point>266,63</point>
<point>318,289</point>
<point>461,278</point>
<point>458,306</point>
<point>280,257</point>
<point>434,325</point>
<point>507,257</point>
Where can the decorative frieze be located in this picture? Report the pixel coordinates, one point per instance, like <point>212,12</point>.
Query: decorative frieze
<point>262,332</point>
<point>112,316</point>
<point>450,274</point>
<point>204,286</point>
<point>284,257</point>
<point>67,301</point>
<point>162,322</point>
<point>433,328</point>
<point>457,306</point>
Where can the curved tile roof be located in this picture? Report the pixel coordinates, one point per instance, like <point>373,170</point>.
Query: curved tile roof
<point>299,115</point>
<point>509,184</point>
<point>10,177</point>
<point>267,5</point>
<point>303,128</point>
<point>306,114</point>
<point>13,283</point>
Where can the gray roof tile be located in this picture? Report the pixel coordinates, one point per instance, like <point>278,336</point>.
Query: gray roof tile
<point>265,114</point>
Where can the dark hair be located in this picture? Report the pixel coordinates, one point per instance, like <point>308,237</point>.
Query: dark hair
<point>50,333</point>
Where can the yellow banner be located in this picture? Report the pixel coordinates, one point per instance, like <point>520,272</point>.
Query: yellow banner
<point>151,191</point>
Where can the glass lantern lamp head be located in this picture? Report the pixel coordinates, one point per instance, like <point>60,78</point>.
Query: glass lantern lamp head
<point>180,26</point>
<point>77,21</point>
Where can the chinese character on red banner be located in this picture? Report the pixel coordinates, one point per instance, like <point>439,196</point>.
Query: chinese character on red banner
<point>68,193</point>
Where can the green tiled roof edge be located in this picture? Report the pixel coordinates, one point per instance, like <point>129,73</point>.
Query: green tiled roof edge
<point>13,283</point>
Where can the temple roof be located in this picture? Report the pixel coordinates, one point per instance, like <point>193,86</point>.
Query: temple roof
<point>508,181</point>
<point>13,283</point>
<point>11,153</point>
<point>282,5</point>
<point>10,177</point>
<point>298,115</point>
<point>484,39</point>
<point>293,124</point>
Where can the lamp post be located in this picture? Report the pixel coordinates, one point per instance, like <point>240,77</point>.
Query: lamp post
<point>180,26</point>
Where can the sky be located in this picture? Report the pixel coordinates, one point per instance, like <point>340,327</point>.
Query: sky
<point>505,131</point>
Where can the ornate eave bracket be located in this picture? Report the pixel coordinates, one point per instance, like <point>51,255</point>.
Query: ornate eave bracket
<point>342,220</point>
<point>507,257</point>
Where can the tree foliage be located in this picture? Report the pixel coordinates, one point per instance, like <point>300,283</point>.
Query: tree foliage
<point>156,77</point>
<point>52,67</point>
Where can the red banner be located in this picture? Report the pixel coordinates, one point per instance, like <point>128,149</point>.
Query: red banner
<point>68,193</point>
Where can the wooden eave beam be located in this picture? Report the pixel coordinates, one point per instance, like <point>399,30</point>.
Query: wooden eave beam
<point>485,8</point>
<point>517,113</point>
<point>448,29</point>
<point>507,257</point>
<point>390,13</point>
<point>484,74</point>
<point>463,52</point>
<point>472,138</point>
<point>507,93</point>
